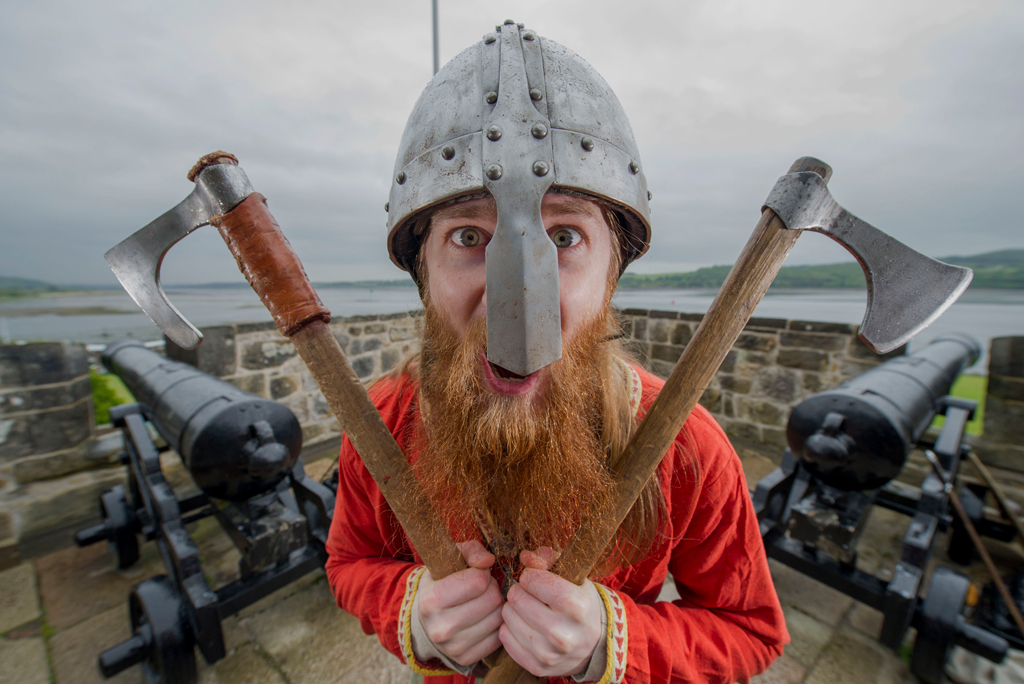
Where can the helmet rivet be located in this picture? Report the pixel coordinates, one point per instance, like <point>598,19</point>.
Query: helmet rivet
<point>528,35</point>
<point>497,27</point>
<point>510,22</point>
<point>540,168</point>
<point>400,178</point>
<point>649,196</point>
<point>587,144</point>
<point>493,171</point>
<point>491,97</point>
<point>539,130</point>
<point>634,168</point>
<point>493,133</point>
<point>490,38</point>
<point>521,26</point>
<point>387,206</point>
<point>535,94</point>
<point>447,151</point>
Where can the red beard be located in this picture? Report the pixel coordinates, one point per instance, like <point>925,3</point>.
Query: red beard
<point>523,471</point>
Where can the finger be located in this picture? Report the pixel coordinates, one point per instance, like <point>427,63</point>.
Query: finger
<point>517,650</point>
<point>476,554</point>
<point>462,587</point>
<point>541,559</point>
<point>556,592</point>
<point>482,649</point>
<point>468,642</point>
<point>527,609</point>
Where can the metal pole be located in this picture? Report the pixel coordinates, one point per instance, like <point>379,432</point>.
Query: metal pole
<point>437,51</point>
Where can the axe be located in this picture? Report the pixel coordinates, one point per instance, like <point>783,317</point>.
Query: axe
<point>906,292</point>
<point>223,197</point>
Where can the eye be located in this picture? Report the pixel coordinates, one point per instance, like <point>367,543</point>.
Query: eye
<point>565,237</point>
<point>468,237</point>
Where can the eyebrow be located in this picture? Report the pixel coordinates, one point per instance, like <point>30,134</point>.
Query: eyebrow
<point>469,210</point>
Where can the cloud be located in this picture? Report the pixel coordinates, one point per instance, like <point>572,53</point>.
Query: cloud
<point>106,106</point>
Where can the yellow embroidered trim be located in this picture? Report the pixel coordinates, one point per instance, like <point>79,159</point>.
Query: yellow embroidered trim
<point>412,585</point>
<point>617,642</point>
<point>636,386</point>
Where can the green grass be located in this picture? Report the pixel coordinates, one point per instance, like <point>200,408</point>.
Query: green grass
<point>107,391</point>
<point>969,387</point>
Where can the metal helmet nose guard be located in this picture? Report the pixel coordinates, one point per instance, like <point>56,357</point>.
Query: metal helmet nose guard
<point>515,115</point>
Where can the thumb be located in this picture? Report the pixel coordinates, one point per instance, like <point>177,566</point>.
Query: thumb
<point>476,554</point>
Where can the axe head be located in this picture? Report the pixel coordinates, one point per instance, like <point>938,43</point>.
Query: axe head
<point>906,289</point>
<point>136,261</point>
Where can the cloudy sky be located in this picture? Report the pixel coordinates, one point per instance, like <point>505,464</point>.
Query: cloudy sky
<point>917,105</point>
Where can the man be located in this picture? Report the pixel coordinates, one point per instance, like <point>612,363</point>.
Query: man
<point>518,200</point>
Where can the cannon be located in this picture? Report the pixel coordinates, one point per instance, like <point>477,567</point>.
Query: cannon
<point>846,446</point>
<point>242,451</point>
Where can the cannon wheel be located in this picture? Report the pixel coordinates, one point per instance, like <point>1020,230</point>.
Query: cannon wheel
<point>158,617</point>
<point>119,519</point>
<point>939,625</point>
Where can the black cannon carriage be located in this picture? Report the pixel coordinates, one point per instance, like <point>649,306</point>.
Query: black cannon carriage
<point>846,446</point>
<point>243,452</point>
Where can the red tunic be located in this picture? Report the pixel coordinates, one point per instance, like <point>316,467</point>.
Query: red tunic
<point>726,626</point>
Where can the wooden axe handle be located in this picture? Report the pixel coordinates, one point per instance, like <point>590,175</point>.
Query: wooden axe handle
<point>276,274</point>
<point>749,279</point>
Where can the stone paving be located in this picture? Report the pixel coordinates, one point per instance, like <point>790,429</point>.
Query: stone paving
<point>59,611</point>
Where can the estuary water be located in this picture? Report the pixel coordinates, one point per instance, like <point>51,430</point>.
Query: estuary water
<point>99,317</point>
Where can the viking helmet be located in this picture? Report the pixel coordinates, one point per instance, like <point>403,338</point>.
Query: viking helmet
<point>516,115</point>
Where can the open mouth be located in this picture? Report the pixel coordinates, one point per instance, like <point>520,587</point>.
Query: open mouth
<point>503,381</point>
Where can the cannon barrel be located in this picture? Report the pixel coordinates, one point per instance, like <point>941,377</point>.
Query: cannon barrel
<point>858,435</point>
<point>234,444</point>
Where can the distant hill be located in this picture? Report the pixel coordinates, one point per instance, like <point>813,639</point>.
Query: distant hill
<point>993,270</point>
<point>11,288</point>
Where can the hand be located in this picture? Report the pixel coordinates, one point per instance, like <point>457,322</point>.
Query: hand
<point>552,626</point>
<point>461,613</point>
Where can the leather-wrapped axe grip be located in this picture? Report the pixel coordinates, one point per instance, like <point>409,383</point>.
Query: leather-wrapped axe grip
<point>267,261</point>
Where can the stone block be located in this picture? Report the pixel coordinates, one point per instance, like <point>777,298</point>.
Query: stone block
<point>642,313</point>
<point>691,317</point>
<point>260,326</point>
<point>795,590</point>
<point>712,400</point>
<point>853,658</point>
<point>780,384</point>
<point>298,405</point>
<point>819,327</point>
<point>216,355</point>
<point>343,341</point>
<point>46,431</point>
<point>267,354</point>
<point>1006,388</point>
<point>673,315</point>
<point>74,649</point>
<point>812,383</point>
<point>355,330</point>
<point>661,368</point>
<point>365,345</point>
<point>389,358</point>
<point>807,635</point>
<point>741,429</point>
<point>851,369</point>
<point>363,366</point>
<point>859,350</point>
<point>321,409</point>
<point>784,670</point>
<point>23,661</point>
<point>41,363</point>
<point>759,411</point>
<point>804,359</point>
<point>681,334</point>
<point>401,332</point>
<point>756,342</point>
<point>6,525</point>
<point>18,599</point>
<point>638,350</point>
<point>659,331</point>
<point>766,324</point>
<point>36,399</point>
<point>728,406</point>
<point>311,431</point>
<point>254,383</point>
<point>374,328</point>
<point>640,328</point>
<point>774,437</point>
<point>57,504</point>
<point>729,363</point>
<point>733,383</point>
<point>666,352</point>
<point>58,464</point>
<point>283,386</point>
<point>814,341</point>
<point>1006,357</point>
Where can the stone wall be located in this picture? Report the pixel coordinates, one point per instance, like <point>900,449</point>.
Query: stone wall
<point>774,365</point>
<point>256,358</point>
